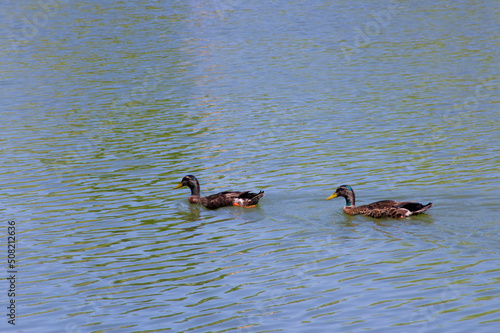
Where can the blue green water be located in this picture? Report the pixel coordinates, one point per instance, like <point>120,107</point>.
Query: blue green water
<point>106,105</point>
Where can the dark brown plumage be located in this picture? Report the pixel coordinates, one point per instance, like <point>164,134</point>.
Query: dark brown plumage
<point>214,201</point>
<point>384,208</point>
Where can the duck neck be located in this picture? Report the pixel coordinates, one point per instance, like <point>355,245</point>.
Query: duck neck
<point>350,200</point>
<point>195,188</point>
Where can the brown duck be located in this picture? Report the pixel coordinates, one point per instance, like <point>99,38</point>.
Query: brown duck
<point>243,199</point>
<point>384,208</point>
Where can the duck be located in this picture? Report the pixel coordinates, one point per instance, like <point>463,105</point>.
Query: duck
<point>245,199</point>
<point>379,209</point>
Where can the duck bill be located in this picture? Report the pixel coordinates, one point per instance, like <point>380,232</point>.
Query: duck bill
<point>178,186</point>
<point>334,195</point>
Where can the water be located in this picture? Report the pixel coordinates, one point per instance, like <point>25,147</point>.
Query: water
<point>107,105</point>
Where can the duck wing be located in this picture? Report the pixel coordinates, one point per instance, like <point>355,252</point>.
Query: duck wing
<point>414,207</point>
<point>383,208</point>
<point>231,198</point>
<point>393,209</point>
<point>248,199</point>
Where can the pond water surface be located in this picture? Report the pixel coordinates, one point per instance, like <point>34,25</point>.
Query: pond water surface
<point>106,105</point>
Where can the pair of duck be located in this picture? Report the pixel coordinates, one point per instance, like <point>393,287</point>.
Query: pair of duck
<point>384,208</point>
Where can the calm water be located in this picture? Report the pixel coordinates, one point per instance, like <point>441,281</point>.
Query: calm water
<point>106,105</point>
